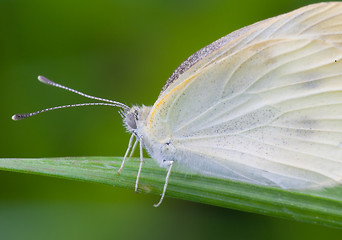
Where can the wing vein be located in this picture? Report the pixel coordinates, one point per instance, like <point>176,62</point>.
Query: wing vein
<point>253,155</point>
<point>319,21</point>
<point>204,137</point>
<point>288,149</point>
<point>316,11</point>
<point>290,61</point>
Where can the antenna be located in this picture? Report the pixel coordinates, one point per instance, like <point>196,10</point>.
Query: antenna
<point>49,82</point>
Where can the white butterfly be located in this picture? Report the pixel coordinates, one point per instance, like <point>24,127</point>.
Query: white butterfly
<point>261,105</point>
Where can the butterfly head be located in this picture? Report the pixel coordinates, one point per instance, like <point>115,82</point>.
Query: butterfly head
<point>134,118</point>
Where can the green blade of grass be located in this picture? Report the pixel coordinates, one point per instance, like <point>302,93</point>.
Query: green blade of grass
<point>320,206</point>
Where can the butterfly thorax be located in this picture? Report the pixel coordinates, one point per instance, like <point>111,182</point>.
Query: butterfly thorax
<point>136,121</point>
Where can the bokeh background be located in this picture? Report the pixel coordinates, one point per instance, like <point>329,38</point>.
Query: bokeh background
<point>122,50</point>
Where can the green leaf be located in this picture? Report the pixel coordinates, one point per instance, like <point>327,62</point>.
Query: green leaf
<point>315,206</point>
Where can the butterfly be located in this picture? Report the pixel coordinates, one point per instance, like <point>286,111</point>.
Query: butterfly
<point>261,105</point>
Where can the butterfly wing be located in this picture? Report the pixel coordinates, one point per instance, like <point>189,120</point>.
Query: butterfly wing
<point>263,104</point>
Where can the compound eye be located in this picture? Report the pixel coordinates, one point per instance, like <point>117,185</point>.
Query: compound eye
<point>131,120</point>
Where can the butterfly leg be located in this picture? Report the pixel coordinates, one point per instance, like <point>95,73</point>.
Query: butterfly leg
<point>127,151</point>
<point>133,149</point>
<point>140,166</point>
<point>166,182</point>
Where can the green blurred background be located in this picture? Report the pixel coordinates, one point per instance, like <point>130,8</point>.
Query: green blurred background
<point>122,50</point>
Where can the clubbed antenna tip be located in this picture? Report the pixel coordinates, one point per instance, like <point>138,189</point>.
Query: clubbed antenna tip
<point>44,80</point>
<point>17,117</point>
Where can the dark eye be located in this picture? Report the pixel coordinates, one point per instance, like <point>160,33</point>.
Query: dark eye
<point>131,120</point>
